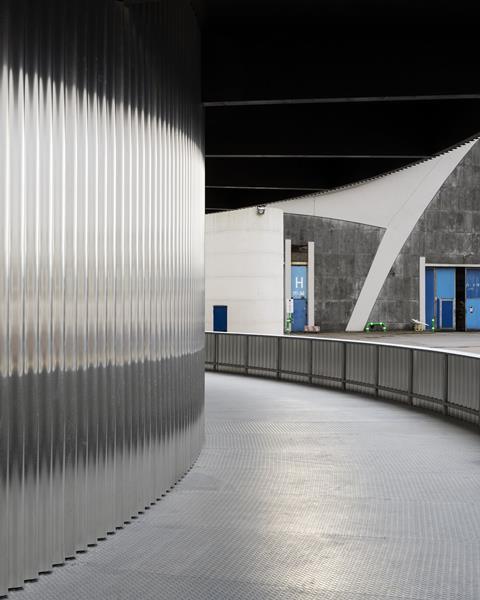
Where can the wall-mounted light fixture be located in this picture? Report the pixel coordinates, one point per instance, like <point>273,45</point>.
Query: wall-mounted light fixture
<point>261,209</point>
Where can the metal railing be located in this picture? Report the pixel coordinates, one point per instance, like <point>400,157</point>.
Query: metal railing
<point>445,382</point>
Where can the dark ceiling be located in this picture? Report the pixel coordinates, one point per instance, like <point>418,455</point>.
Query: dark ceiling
<point>311,95</point>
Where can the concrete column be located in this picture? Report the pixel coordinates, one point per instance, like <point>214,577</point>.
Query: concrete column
<point>311,283</point>
<point>288,277</point>
<point>421,290</point>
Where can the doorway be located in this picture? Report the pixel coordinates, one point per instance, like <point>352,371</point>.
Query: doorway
<point>220,318</point>
<point>460,299</point>
<point>299,319</point>
<point>445,298</point>
<point>299,297</point>
<point>472,300</point>
<point>452,298</point>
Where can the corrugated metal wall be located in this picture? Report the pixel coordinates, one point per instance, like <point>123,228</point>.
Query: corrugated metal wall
<point>101,269</point>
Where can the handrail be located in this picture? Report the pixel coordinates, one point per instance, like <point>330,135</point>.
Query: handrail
<point>332,339</point>
<point>431,378</point>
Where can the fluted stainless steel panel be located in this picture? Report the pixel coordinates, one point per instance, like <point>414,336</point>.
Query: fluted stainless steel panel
<point>464,381</point>
<point>295,361</point>
<point>231,352</point>
<point>327,362</point>
<point>210,348</point>
<point>101,269</point>
<point>361,366</point>
<point>394,372</point>
<point>262,354</point>
<point>429,378</point>
<point>463,386</point>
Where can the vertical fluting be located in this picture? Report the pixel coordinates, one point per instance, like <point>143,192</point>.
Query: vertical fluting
<point>101,269</point>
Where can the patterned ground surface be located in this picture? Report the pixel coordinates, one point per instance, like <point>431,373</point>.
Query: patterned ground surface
<point>300,493</point>
<point>451,340</point>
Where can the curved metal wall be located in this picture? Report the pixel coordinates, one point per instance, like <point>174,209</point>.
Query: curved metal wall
<point>101,269</point>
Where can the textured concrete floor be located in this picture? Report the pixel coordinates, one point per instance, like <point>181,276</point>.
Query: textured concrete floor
<point>459,341</point>
<point>300,493</point>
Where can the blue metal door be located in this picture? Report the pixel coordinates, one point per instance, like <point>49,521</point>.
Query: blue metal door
<point>472,298</point>
<point>299,295</point>
<point>445,294</point>
<point>220,318</point>
<point>299,314</point>
<point>445,282</point>
<point>446,313</point>
<point>299,282</point>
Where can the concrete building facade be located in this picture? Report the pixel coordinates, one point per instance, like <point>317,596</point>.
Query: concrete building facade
<point>383,247</point>
<point>344,252</point>
<point>447,233</point>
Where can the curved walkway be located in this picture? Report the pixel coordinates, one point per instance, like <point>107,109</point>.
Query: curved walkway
<point>300,493</point>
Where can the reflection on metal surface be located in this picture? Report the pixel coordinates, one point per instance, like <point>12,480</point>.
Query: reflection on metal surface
<point>101,269</point>
<point>446,382</point>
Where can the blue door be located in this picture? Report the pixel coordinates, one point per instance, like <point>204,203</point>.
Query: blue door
<point>445,295</point>
<point>472,298</point>
<point>220,318</point>
<point>299,295</point>
<point>299,314</point>
<point>446,313</point>
<point>299,282</point>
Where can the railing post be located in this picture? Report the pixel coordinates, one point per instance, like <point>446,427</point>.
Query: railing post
<point>478,398</point>
<point>410,377</point>
<point>310,368</point>
<point>215,351</point>
<point>246,353</point>
<point>279,356</point>
<point>445,386</point>
<point>377,369</point>
<point>344,366</point>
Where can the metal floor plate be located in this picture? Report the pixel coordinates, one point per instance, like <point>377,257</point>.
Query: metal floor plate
<point>300,493</point>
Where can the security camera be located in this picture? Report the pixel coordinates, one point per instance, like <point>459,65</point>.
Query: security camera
<point>261,209</point>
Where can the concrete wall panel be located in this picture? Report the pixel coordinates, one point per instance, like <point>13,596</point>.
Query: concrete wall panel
<point>396,203</point>
<point>344,252</point>
<point>448,231</point>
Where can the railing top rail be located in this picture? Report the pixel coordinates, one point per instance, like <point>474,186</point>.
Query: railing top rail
<point>352,341</point>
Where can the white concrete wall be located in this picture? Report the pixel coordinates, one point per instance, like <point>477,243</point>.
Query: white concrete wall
<point>244,269</point>
<point>378,201</point>
<point>311,283</point>
<point>287,278</point>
